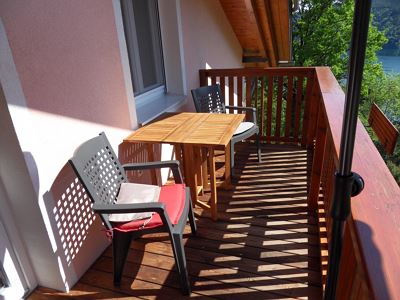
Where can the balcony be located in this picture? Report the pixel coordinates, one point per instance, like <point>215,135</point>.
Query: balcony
<point>272,238</point>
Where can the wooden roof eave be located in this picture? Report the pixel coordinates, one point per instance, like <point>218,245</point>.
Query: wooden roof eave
<point>262,28</point>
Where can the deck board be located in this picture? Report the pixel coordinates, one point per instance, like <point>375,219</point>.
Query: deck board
<point>265,245</point>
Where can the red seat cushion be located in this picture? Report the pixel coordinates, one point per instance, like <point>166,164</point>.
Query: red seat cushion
<point>173,196</point>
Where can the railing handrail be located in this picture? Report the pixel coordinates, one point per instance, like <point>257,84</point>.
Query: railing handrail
<point>258,71</point>
<point>376,211</point>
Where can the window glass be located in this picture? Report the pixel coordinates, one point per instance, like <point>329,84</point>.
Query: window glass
<point>142,32</point>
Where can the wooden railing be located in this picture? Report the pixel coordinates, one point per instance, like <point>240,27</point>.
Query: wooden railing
<point>371,251</point>
<point>305,106</point>
<point>282,98</point>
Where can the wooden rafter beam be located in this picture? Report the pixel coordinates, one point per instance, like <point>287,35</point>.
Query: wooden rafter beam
<point>280,17</point>
<point>263,16</point>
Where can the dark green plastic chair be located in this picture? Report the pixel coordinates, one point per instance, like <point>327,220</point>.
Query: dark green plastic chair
<point>101,174</point>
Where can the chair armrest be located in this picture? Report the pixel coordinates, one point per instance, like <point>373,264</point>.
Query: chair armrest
<point>157,207</point>
<point>248,109</point>
<point>172,164</point>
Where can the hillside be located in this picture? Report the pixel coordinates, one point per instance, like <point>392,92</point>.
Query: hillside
<point>387,18</point>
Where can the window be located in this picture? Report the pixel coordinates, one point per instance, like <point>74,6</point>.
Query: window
<point>155,69</point>
<point>143,38</point>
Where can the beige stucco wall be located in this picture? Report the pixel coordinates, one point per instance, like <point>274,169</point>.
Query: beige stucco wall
<point>208,41</point>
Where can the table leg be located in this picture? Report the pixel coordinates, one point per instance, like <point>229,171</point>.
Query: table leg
<point>179,157</point>
<point>213,184</point>
<point>190,172</point>
<point>150,156</point>
<point>228,170</point>
<point>204,168</point>
<point>197,168</point>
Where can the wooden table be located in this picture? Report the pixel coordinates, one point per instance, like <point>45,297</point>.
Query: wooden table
<point>195,134</point>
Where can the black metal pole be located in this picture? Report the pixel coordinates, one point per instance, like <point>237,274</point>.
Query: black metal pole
<point>344,178</point>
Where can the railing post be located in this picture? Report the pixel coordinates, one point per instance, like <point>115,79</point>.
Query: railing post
<point>318,159</point>
<point>310,110</point>
<point>312,125</point>
<point>248,98</point>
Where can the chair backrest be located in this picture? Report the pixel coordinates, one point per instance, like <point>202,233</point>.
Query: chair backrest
<point>99,170</point>
<point>209,99</point>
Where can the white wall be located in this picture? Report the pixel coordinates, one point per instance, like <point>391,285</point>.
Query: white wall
<point>208,41</point>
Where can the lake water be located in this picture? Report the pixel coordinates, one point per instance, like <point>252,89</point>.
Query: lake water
<point>391,64</point>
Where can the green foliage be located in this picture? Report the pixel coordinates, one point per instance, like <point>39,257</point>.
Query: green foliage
<point>395,169</point>
<point>385,92</point>
<point>321,37</point>
<point>322,34</point>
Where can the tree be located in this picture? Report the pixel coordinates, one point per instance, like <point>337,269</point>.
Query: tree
<point>322,33</point>
<point>321,36</point>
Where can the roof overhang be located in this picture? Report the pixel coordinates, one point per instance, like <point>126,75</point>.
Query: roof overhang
<point>262,28</point>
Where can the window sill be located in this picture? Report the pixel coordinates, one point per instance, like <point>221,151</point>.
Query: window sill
<point>147,111</point>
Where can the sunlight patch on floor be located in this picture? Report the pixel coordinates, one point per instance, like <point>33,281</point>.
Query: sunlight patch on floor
<point>224,259</point>
<point>237,226</point>
<point>230,246</point>
<point>217,272</point>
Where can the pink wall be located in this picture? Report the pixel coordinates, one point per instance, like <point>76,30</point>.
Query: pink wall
<point>67,58</point>
<point>208,39</point>
<point>63,80</point>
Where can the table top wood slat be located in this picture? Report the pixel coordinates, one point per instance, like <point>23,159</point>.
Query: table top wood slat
<point>201,129</point>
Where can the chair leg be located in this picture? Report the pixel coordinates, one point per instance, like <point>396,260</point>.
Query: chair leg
<point>192,221</point>
<point>180,260</point>
<point>121,243</point>
<point>258,147</point>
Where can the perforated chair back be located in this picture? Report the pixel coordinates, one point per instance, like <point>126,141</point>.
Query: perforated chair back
<point>99,170</point>
<point>208,99</point>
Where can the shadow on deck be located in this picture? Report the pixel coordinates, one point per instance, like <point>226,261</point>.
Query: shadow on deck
<point>264,246</point>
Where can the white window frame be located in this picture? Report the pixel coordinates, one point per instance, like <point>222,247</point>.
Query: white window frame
<point>12,272</point>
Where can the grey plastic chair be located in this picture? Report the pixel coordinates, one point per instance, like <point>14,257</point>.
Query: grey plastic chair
<point>101,174</point>
<point>209,99</point>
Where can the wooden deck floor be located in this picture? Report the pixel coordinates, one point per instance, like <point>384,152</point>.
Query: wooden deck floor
<point>265,246</point>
